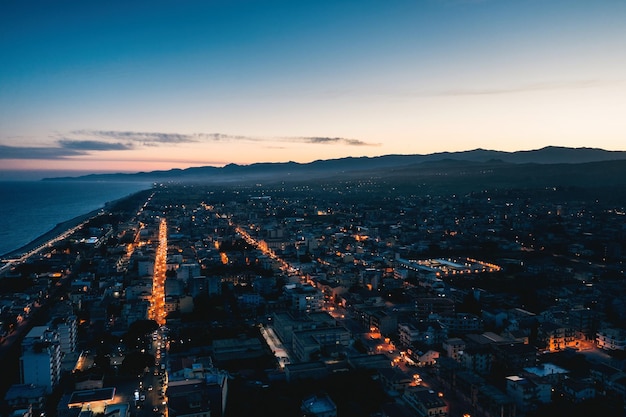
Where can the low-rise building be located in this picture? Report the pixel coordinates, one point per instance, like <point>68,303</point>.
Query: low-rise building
<point>459,323</point>
<point>425,332</point>
<point>323,342</point>
<point>611,339</point>
<point>578,390</point>
<point>305,298</point>
<point>454,347</point>
<point>425,402</point>
<point>319,406</point>
<point>26,396</point>
<point>526,393</point>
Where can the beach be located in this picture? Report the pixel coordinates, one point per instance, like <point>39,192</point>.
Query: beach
<point>34,213</point>
<point>52,235</point>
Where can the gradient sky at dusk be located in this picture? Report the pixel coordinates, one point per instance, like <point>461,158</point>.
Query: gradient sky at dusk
<point>144,85</point>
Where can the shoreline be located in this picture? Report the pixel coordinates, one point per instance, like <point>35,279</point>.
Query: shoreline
<point>51,234</point>
<point>62,228</point>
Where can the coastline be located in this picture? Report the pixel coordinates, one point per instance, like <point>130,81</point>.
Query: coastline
<point>50,235</point>
<point>64,227</point>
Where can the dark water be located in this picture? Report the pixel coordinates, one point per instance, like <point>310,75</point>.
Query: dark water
<point>29,209</point>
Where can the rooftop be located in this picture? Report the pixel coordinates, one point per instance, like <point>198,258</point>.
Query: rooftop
<point>318,404</point>
<point>88,396</point>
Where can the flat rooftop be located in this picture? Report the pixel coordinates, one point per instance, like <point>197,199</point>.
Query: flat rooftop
<point>92,395</point>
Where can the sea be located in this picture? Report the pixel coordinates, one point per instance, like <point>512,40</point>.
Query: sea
<point>28,209</point>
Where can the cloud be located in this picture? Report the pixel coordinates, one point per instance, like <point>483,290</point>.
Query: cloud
<point>226,137</point>
<point>341,141</point>
<point>156,138</point>
<point>29,152</point>
<point>89,142</point>
<point>94,145</point>
<point>141,137</point>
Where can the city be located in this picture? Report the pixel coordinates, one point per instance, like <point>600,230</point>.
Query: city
<point>313,299</point>
<point>353,208</point>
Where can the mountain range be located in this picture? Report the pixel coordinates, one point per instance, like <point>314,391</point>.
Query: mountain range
<point>542,167</point>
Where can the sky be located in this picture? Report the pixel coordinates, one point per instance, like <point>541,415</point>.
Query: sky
<point>100,86</point>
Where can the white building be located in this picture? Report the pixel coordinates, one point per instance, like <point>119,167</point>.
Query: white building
<point>40,363</point>
<point>66,327</point>
<point>305,298</point>
<point>611,339</point>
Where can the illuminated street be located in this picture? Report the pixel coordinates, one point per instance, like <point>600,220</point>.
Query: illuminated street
<point>157,301</point>
<point>263,248</point>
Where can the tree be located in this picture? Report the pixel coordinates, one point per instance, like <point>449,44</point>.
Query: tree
<point>138,331</point>
<point>134,363</point>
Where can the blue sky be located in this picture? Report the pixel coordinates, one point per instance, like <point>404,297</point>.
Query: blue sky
<point>142,85</point>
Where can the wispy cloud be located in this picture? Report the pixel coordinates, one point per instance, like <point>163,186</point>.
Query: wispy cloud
<point>157,138</point>
<point>94,145</point>
<point>31,152</point>
<point>226,137</point>
<point>89,142</point>
<point>140,137</point>
<point>334,141</point>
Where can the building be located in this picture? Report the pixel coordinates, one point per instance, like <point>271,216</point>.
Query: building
<point>200,285</point>
<point>424,332</point>
<point>515,356</point>
<point>307,344</point>
<point>477,358</point>
<point>188,398</point>
<point>526,393</point>
<point>40,363</point>
<point>558,337</point>
<point>305,298</point>
<point>92,400</point>
<point>611,339</point>
<point>395,380</point>
<point>425,402</point>
<point>547,372</point>
<point>26,396</point>
<point>319,406</point>
<point>135,310</point>
<point>285,324</point>
<point>238,348</point>
<point>385,323</point>
<point>460,323</point>
<point>424,307</point>
<point>198,387</point>
<point>377,361</point>
<point>217,387</point>
<point>66,327</point>
<point>584,321</point>
<point>454,347</point>
<point>306,370</point>
<point>578,390</point>
<point>186,272</point>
